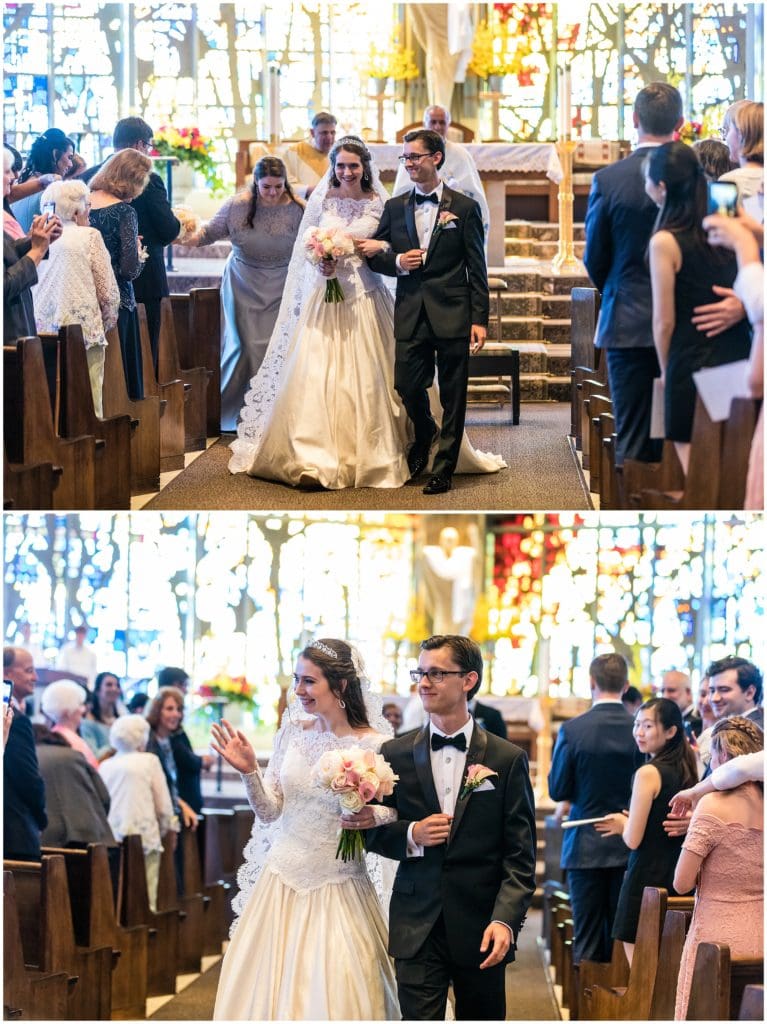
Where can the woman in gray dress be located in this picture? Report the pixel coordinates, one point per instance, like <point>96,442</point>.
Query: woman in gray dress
<point>262,224</point>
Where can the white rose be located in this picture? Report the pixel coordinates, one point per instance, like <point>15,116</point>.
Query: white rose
<point>351,802</point>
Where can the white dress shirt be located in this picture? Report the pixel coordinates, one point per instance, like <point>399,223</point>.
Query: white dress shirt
<point>447,767</point>
<point>425,218</point>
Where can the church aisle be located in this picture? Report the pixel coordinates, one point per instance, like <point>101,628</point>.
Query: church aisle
<point>529,994</point>
<point>542,474</point>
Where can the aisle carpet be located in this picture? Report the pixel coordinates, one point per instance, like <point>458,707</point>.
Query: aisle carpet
<point>542,475</point>
<point>528,992</point>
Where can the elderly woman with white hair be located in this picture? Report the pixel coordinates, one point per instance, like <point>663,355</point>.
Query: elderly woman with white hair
<point>63,703</point>
<point>77,285</point>
<point>141,802</point>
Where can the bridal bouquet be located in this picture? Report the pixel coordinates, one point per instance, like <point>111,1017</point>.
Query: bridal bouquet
<point>328,244</point>
<point>189,221</point>
<point>356,777</point>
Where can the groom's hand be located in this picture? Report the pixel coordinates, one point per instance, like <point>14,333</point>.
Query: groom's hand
<point>432,831</point>
<point>478,336</point>
<point>497,937</point>
<point>411,260</point>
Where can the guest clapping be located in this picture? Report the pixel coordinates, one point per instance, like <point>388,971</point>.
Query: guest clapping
<point>104,706</point>
<point>21,258</point>
<point>119,180</point>
<point>140,798</point>
<point>77,285</point>
<point>262,225</point>
<point>684,269</point>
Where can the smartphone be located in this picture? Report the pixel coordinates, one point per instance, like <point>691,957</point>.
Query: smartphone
<point>49,209</point>
<point>723,198</point>
<point>7,691</point>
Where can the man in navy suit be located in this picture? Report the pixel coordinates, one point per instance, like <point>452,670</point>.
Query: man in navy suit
<point>24,815</point>
<point>594,758</point>
<point>619,222</point>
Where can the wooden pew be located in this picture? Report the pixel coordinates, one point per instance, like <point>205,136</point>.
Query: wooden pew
<point>163,926</point>
<point>719,981</point>
<point>171,396</point>
<point>195,381</point>
<point>587,974</point>
<point>216,894</point>
<point>675,928</point>
<point>197,318</point>
<point>752,1004</point>
<point>633,1001</point>
<point>145,420</point>
<point>29,486</point>
<point>585,359</point>
<point>77,416</point>
<point>665,475</point>
<point>597,405</point>
<point>27,992</point>
<point>610,482</point>
<point>95,924</point>
<point>30,437</point>
<point>189,907</point>
<point>48,937</point>
<point>222,855</point>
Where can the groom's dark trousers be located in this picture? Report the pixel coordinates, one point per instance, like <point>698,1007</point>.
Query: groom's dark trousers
<point>435,308</point>
<point>443,901</point>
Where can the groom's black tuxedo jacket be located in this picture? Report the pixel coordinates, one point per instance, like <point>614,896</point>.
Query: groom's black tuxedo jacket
<point>484,873</point>
<point>452,283</point>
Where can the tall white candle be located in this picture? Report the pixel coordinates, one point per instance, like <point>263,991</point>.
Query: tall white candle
<point>274,104</point>
<point>566,103</point>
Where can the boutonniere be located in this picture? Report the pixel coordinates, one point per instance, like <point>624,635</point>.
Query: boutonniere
<point>476,776</point>
<point>445,219</point>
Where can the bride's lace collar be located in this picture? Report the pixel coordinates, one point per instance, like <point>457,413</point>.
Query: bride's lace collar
<point>335,198</point>
<point>315,739</point>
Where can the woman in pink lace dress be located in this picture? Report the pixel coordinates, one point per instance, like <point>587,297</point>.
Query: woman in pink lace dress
<point>723,854</point>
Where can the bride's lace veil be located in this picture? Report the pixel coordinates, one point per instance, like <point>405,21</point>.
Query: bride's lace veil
<point>300,280</point>
<point>261,835</point>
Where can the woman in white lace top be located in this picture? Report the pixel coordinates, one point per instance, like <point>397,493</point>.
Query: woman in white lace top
<point>76,284</point>
<point>310,942</point>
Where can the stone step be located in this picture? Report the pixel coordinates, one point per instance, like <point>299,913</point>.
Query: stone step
<point>556,307</point>
<point>558,359</point>
<point>533,249</point>
<point>542,232</point>
<point>556,330</point>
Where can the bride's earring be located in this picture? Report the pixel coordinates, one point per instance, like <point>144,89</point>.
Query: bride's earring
<point>341,703</point>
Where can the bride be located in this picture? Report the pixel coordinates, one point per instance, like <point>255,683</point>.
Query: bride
<point>310,941</point>
<point>322,410</point>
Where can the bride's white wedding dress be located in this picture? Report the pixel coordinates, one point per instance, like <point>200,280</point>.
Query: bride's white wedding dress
<point>310,942</point>
<point>323,410</point>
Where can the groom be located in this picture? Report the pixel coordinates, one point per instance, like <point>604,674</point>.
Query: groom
<point>441,311</point>
<point>467,859</point>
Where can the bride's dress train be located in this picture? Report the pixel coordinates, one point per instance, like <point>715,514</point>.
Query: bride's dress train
<point>322,411</point>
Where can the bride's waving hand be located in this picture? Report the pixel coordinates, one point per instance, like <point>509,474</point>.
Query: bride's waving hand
<point>234,747</point>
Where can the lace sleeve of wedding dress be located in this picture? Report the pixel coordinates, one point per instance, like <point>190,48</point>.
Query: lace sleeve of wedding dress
<point>301,278</point>
<point>107,291</point>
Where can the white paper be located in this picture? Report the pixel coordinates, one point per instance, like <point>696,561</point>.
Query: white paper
<point>718,385</point>
<point>582,821</point>
<point>657,410</point>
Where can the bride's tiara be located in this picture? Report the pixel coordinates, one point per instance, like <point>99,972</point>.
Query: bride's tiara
<point>324,648</point>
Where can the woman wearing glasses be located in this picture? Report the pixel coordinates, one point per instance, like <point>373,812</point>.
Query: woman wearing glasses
<point>322,411</point>
<point>310,940</point>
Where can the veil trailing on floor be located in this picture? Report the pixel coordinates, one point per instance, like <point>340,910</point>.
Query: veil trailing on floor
<point>300,280</point>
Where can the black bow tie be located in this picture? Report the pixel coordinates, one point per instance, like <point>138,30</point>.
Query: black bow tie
<point>438,742</point>
<point>431,198</point>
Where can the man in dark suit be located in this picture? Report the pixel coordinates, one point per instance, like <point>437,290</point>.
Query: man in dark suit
<point>489,718</point>
<point>467,859</point>
<point>157,225</point>
<point>24,815</point>
<point>619,222</point>
<point>594,758</point>
<point>441,310</point>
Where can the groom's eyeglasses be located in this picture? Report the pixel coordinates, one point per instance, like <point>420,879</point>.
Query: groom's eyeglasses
<point>435,675</point>
<point>412,158</point>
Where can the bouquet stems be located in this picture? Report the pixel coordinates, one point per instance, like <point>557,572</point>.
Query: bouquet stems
<point>333,291</point>
<point>351,845</point>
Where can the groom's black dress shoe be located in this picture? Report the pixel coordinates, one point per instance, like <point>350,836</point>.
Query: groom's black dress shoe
<point>438,485</point>
<point>418,456</point>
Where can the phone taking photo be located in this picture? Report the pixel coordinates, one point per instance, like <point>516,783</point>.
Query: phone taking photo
<point>723,198</point>
<point>49,209</point>
<point>7,692</point>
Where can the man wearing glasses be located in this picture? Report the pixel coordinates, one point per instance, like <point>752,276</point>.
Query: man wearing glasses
<point>467,858</point>
<point>157,225</point>
<point>441,310</point>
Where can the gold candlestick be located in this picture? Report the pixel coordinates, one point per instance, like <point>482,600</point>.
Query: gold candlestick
<point>565,258</point>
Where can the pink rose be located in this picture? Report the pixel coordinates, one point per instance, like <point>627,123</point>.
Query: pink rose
<point>367,790</point>
<point>477,774</point>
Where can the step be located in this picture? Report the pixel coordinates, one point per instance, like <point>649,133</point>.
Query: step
<point>522,328</point>
<point>542,231</point>
<point>556,330</point>
<point>533,249</point>
<point>518,304</point>
<point>558,359</point>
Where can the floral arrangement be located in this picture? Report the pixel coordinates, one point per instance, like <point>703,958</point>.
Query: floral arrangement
<point>189,146</point>
<point>396,62</point>
<point>235,689</point>
<point>356,777</point>
<point>690,132</point>
<point>326,244</point>
<point>190,223</point>
<point>475,776</point>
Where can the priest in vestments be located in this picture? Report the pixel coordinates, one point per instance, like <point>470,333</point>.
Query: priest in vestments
<point>307,161</point>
